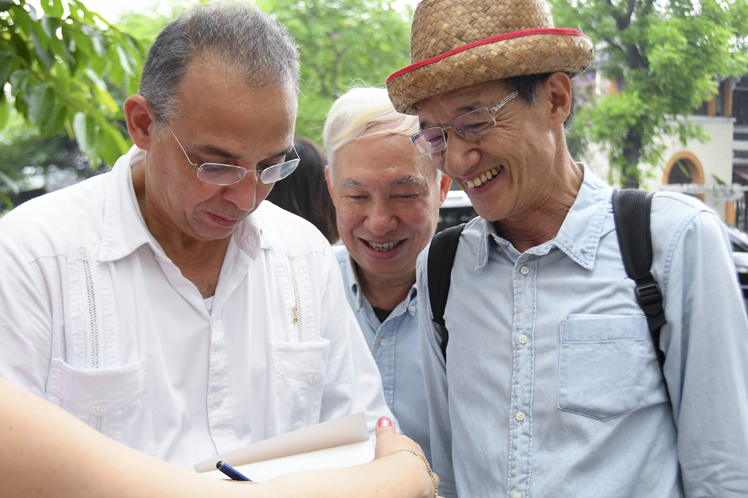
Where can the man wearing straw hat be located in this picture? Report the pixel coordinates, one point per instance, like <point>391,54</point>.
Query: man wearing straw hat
<point>550,384</point>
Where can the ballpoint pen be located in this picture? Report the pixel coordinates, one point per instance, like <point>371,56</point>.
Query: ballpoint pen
<point>231,472</point>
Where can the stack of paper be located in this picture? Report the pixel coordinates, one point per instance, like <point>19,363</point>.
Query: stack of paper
<point>337,443</point>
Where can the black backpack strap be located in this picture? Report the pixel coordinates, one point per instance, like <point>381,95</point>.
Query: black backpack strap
<point>439,271</point>
<point>631,209</point>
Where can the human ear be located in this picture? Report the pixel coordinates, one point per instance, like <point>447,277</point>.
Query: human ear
<point>444,185</point>
<point>329,183</point>
<point>559,93</point>
<point>139,119</point>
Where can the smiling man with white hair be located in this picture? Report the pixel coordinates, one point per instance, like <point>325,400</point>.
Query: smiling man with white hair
<point>387,197</point>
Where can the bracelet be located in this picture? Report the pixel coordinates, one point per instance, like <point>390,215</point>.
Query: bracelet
<point>428,467</point>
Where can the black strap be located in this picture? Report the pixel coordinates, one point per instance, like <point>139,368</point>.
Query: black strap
<point>631,209</point>
<point>439,271</point>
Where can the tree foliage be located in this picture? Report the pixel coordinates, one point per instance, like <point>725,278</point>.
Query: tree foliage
<point>58,68</point>
<point>667,55</point>
<point>342,43</point>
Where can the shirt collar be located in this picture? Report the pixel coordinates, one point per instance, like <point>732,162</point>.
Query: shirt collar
<point>355,286</point>
<point>125,229</point>
<point>580,232</point>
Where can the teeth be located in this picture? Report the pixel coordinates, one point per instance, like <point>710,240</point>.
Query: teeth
<point>382,247</point>
<point>483,178</point>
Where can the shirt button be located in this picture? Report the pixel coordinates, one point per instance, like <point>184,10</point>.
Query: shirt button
<point>522,339</point>
<point>218,400</point>
<point>499,249</point>
<point>520,416</point>
<point>412,308</point>
<point>101,408</point>
<point>517,495</point>
<point>82,251</point>
<point>384,342</point>
<point>524,270</point>
<point>315,378</point>
<point>292,254</point>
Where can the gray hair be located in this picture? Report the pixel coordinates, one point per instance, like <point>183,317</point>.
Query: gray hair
<point>261,51</point>
<point>362,112</point>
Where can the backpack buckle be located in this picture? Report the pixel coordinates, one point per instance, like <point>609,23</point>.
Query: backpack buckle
<point>649,298</point>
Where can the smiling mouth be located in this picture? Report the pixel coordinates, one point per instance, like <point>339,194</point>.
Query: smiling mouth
<point>388,246</point>
<point>484,178</point>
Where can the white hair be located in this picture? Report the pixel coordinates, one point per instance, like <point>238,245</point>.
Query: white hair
<point>363,112</point>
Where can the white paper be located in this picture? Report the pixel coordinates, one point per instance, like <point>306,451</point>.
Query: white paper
<point>331,458</point>
<point>343,442</point>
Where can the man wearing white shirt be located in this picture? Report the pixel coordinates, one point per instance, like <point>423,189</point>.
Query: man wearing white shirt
<point>162,303</point>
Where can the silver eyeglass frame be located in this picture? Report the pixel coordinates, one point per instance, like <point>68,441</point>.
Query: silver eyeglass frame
<point>262,175</point>
<point>491,112</point>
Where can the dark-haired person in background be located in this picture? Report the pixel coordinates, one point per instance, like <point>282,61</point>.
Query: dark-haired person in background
<point>305,192</point>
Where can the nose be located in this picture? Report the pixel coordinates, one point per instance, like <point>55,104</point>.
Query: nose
<point>381,219</point>
<point>459,156</point>
<point>244,193</point>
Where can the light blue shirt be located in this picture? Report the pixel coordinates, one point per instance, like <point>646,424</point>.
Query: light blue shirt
<point>552,387</point>
<point>396,348</point>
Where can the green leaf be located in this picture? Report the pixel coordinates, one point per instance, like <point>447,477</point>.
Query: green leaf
<point>5,5</point>
<point>86,132</point>
<point>126,60</point>
<point>21,18</point>
<point>6,63</point>
<point>54,125</point>
<point>42,104</point>
<point>4,112</point>
<point>19,80</point>
<point>53,7</point>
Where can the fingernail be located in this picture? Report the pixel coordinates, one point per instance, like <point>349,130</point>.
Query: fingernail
<point>384,422</point>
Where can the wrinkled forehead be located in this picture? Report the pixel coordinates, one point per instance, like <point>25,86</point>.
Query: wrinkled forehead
<point>456,102</point>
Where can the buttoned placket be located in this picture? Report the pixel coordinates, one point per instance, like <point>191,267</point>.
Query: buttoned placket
<point>236,265</point>
<point>519,461</point>
<point>385,340</point>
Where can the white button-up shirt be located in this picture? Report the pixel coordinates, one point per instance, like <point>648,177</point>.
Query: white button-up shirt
<point>97,319</point>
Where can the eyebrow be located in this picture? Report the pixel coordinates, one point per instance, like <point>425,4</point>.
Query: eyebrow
<point>351,183</point>
<point>408,179</point>
<point>217,151</point>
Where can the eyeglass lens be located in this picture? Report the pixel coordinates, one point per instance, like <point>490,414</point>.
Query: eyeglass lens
<point>468,126</point>
<point>226,174</point>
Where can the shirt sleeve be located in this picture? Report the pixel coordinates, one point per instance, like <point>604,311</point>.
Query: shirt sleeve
<point>706,367</point>
<point>437,391</point>
<point>25,317</point>
<point>352,381</point>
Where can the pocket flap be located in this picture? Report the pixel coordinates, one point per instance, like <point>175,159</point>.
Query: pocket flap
<point>603,328</point>
<point>303,361</point>
<point>89,391</point>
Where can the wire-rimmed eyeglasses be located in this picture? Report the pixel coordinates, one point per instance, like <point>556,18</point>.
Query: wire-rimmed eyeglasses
<point>227,174</point>
<point>469,126</point>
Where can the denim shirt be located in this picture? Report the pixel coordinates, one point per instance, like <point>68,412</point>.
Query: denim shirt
<point>396,347</point>
<point>551,385</point>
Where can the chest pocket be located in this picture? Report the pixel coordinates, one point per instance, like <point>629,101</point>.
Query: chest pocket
<point>601,365</point>
<point>104,398</point>
<point>299,355</point>
<point>299,378</point>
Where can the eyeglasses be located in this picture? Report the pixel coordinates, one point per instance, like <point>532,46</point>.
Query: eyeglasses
<point>227,174</point>
<point>469,126</point>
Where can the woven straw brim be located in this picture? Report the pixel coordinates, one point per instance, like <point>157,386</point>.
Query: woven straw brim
<point>532,54</point>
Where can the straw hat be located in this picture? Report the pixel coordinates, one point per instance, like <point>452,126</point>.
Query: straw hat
<point>459,43</point>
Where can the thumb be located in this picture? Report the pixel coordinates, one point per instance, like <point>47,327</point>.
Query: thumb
<point>384,426</point>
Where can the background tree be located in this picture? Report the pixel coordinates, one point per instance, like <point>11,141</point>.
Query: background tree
<point>666,56</point>
<point>60,65</point>
<point>342,43</point>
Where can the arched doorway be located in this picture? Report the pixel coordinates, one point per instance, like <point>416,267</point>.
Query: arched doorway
<point>684,167</point>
